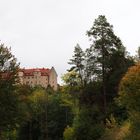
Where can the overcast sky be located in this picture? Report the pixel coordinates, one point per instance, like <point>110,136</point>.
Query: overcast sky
<point>43,33</point>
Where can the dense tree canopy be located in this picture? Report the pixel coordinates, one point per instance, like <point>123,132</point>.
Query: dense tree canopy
<point>130,89</point>
<point>101,67</point>
<point>130,98</point>
<point>107,49</point>
<point>8,84</point>
<point>89,106</point>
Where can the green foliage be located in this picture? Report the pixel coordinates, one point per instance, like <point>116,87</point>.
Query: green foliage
<point>33,106</point>
<point>9,101</point>
<point>100,78</point>
<point>72,84</point>
<point>45,112</point>
<point>59,115</point>
<point>116,132</point>
<point>134,131</point>
<point>91,95</point>
<point>77,62</point>
<point>88,124</point>
<point>118,111</point>
<point>105,45</point>
<point>90,67</point>
<point>71,78</point>
<point>111,122</point>
<point>81,109</point>
<point>107,49</point>
<point>38,101</point>
<point>137,57</point>
<point>69,133</point>
<point>9,135</point>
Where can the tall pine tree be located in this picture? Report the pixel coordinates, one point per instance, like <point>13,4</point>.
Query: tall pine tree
<point>109,55</point>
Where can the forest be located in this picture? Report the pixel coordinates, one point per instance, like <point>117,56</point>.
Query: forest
<point>99,100</point>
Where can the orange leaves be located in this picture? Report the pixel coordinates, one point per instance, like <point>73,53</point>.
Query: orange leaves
<point>129,90</point>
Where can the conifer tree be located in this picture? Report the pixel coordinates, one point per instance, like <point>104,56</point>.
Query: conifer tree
<point>107,47</point>
<point>77,62</point>
<point>90,66</point>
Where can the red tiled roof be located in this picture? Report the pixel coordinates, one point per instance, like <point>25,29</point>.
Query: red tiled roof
<point>30,72</point>
<point>5,75</point>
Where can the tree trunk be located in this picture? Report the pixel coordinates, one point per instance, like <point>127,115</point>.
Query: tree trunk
<point>30,130</point>
<point>0,135</point>
<point>46,119</point>
<point>103,78</point>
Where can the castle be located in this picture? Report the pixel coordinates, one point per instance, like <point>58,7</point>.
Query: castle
<point>39,77</point>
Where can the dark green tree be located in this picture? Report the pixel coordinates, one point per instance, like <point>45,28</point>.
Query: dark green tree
<point>8,94</point>
<point>110,56</point>
<point>33,126</point>
<point>60,115</point>
<point>102,67</point>
<point>89,66</point>
<point>87,124</point>
<point>77,62</point>
<point>137,57</point>
<point>139,53</point>
<point>47,115</point>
